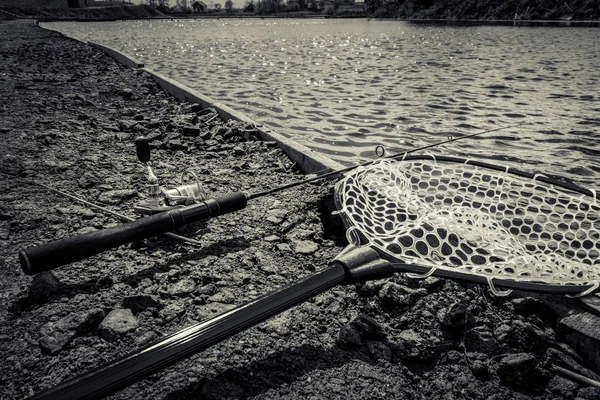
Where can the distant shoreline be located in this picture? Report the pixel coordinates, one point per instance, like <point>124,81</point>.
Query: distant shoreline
<point>422,16</point>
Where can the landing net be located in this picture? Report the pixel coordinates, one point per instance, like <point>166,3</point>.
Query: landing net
<point>474,220</point>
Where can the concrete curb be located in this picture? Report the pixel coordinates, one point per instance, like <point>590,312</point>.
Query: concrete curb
<point>308,160</point>
<point>127,61</point>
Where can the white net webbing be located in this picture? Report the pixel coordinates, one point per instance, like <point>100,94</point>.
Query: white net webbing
<point>474,220</point>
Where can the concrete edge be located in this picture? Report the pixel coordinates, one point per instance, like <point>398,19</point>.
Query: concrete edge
<point>127,61</point>
<point>308,160</point>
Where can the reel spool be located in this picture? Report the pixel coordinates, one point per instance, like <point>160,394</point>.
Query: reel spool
<point>161,199</point>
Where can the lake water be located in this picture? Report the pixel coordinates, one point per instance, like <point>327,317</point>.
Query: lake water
<point>343,87</point>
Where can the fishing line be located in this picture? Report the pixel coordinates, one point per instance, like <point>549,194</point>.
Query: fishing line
<point>321,174</point>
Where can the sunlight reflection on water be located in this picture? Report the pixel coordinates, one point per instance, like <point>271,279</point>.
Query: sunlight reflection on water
<point>343,87</point>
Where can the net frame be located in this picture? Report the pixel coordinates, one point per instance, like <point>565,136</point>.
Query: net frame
<point>359,232</point>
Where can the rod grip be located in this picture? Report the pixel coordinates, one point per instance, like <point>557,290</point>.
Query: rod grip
<point>47,256</point>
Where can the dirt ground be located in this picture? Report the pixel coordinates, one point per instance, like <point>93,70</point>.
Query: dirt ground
<point>68,117</point>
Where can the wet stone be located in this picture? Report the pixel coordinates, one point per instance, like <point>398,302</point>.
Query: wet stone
<point>54,336</point>
<point>117,323</point>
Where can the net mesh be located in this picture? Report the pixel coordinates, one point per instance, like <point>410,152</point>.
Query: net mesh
<point>474,220</point>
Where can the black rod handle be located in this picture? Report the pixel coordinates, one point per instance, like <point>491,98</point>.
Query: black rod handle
<point>48,256</point>
<point>143,362</point>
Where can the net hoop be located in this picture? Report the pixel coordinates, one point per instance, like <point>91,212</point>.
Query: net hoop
<point>475,221</point>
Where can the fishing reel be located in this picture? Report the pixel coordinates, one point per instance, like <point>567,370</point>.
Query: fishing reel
<point>159,198</point>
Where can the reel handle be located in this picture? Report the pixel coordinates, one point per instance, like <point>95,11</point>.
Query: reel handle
<point>142,149</point>
<point>48,256</point>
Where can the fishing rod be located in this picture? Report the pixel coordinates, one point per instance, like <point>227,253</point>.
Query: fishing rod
<point>470,247</point>
<point>50,255</point>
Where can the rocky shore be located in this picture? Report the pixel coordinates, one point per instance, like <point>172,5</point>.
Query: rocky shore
<point>69,116</point>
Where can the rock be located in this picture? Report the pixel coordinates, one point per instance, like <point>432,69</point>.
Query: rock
<point>127,125</point>
<point>368,328</point>
<point>87,180</point>
<point>139,303</point>
<point>238,151</point>
<point>171,311</point>
<point>589,393</point>
<point>559,358</point>
<point>431,283</point>
<point>530,305</point>
<point>43,286</point>
<point>206,135</point>
<point>175,144</point>
<point>456,318</point>
<point>123,136</point>
<point>349,336</point>
<point>54,336</point>
<point>183,287</point>
<point>582,333</point>
<point>213,309</point>
<point>272,238</point>
<point>519,371</point>
<point>117,323</point>
<point>562,387</point>
<point>145,339</point>
<point>85,213</point>
<point>283,247</point>
<point>126,93</point>
<point>378,350</point>
<point>305,246</point>
<point>398,295</point>
<point>115,197</point>
<point>191,131</point>
<point>480,339</point>
<point>279,325</point>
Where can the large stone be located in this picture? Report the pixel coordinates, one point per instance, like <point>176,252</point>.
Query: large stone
<point>43,286</point>
<point>117,323</point>
<point>562,387</point>
<point>561,359</point>
<point>183,287</point>
<point>456,318</point>
<point>54,336</point>
<point>349,336</point>
<point>582,333</point>
<point>520,371</point>
<point>305,247</point>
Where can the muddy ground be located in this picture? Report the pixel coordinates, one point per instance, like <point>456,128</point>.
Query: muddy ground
<point>68,117</point>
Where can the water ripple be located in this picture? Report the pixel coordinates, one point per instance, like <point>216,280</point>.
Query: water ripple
<point>343,86</point>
